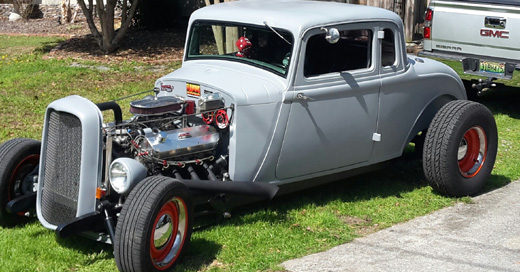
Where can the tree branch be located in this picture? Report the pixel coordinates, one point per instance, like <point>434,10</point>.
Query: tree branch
<point>100,6</point>
<point>101,12</point>
<point>124,25</point>
<point>90,20</point>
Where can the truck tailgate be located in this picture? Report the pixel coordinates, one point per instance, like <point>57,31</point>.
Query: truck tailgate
<point>490,30</point>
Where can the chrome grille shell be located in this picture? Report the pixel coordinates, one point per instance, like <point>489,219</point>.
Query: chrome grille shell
<point>70,161</point>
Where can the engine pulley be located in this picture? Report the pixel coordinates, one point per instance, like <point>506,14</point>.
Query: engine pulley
<point>222,119</point>
<point>208,117</point>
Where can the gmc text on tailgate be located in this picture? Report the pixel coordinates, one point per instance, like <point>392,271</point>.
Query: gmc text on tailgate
<point>481,33</point>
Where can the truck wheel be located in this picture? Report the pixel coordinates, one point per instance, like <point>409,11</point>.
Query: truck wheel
<point>18,158</point>
<point>460,148</point>
<point>155,225</point>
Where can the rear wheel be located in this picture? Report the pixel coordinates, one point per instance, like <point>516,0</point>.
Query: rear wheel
<point>155,225</point>
<point>19,159</point>
<point>460,148</point>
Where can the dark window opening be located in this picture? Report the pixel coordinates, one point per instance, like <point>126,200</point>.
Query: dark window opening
<point>351,52</point>
<point>388,48</point>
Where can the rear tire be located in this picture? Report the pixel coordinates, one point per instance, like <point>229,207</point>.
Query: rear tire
<point>155,226</point>
<point>460,148</point>
<point>18,158</point>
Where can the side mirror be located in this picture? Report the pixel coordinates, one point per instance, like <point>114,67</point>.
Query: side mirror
<point>332,35</point>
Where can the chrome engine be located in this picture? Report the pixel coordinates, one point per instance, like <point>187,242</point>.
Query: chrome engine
<point>180,142</point>
<point>169,131</point>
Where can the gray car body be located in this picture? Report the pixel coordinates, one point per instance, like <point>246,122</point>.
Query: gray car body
<point>349,119</point>
<point>278,138</point>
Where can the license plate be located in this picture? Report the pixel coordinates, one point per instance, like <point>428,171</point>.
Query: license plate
<point>492,67</point>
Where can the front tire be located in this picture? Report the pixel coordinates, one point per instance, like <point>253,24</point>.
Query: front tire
<point>155,225</point>
<point>19,158</point>
<point>460,148</point>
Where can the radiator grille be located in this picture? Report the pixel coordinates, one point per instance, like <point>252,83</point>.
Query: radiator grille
<point>59,195</point>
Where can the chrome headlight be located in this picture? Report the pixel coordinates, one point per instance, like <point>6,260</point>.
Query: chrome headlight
<point>125,173</point>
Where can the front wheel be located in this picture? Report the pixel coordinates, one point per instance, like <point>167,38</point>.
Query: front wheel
<point>155,225</point>
<point>460,148</point>
<point>19,159</point>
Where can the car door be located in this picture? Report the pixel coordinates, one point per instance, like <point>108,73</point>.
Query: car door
<point>333,113</point>
<point>402,95</point>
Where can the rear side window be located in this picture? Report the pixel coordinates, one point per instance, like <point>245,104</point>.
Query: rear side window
<point>388,48</point>
<point>351,52</point>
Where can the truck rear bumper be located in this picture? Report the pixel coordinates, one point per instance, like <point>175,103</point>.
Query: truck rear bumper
<point>461,56</point>
<point>479,65</point>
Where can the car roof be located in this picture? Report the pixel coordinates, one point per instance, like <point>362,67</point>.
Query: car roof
<point>293,15</point>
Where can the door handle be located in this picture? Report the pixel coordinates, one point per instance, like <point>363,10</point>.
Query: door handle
<point>495,22</point>
<point>302,96</point>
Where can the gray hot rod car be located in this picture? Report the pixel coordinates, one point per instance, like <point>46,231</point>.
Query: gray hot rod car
<point>272,97</point>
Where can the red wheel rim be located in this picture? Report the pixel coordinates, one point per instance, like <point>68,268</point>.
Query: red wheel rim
<point>168,233</point>
<point>22,169</point>
<point>472,152</point>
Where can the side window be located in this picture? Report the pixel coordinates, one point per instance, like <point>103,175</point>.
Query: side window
<point>388,48</point>
<point>351,52</point>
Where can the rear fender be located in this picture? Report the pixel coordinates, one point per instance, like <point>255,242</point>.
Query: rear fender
<point>423,121</point>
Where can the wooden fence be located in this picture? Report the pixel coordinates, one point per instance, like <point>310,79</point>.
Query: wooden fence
<point>410,11</point>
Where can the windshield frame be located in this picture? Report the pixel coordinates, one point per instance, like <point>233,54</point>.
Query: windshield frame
<point>192,40</point>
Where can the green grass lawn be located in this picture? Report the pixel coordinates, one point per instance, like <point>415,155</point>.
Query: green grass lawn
<point>258,237</point>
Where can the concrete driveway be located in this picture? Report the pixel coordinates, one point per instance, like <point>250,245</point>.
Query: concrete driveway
<point>481,236</point>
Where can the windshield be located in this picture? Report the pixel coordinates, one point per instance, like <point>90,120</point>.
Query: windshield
<point>256,45</point>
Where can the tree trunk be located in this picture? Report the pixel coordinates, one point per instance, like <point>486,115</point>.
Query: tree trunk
<point>217,32</point>
<point>124,10</point>
<point>125,24</point>
<point>231,37</point>
<point>87,11</point>
<point>108,40</point>
<point>408,20</point>
<point>226,45</point>
<point>16,7</point>
<point>107,25</point>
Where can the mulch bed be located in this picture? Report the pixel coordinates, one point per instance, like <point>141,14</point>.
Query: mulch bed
<point>156,47</point>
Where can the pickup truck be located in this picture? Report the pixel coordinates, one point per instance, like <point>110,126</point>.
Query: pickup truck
<point>481,33</point>
<point>272,97</point>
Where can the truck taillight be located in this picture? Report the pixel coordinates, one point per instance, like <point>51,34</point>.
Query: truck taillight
<point>428,24</point>
<point>427,33</point>
<point>429,15</point>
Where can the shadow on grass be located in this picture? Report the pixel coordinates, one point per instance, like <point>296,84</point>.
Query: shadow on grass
<point>495,182</point>
<point>201,253</point>
<point>46,47</point>
<point>87,246</point>
<point>16,222</point>
<point>404,175</point>
<point>502,99</point>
